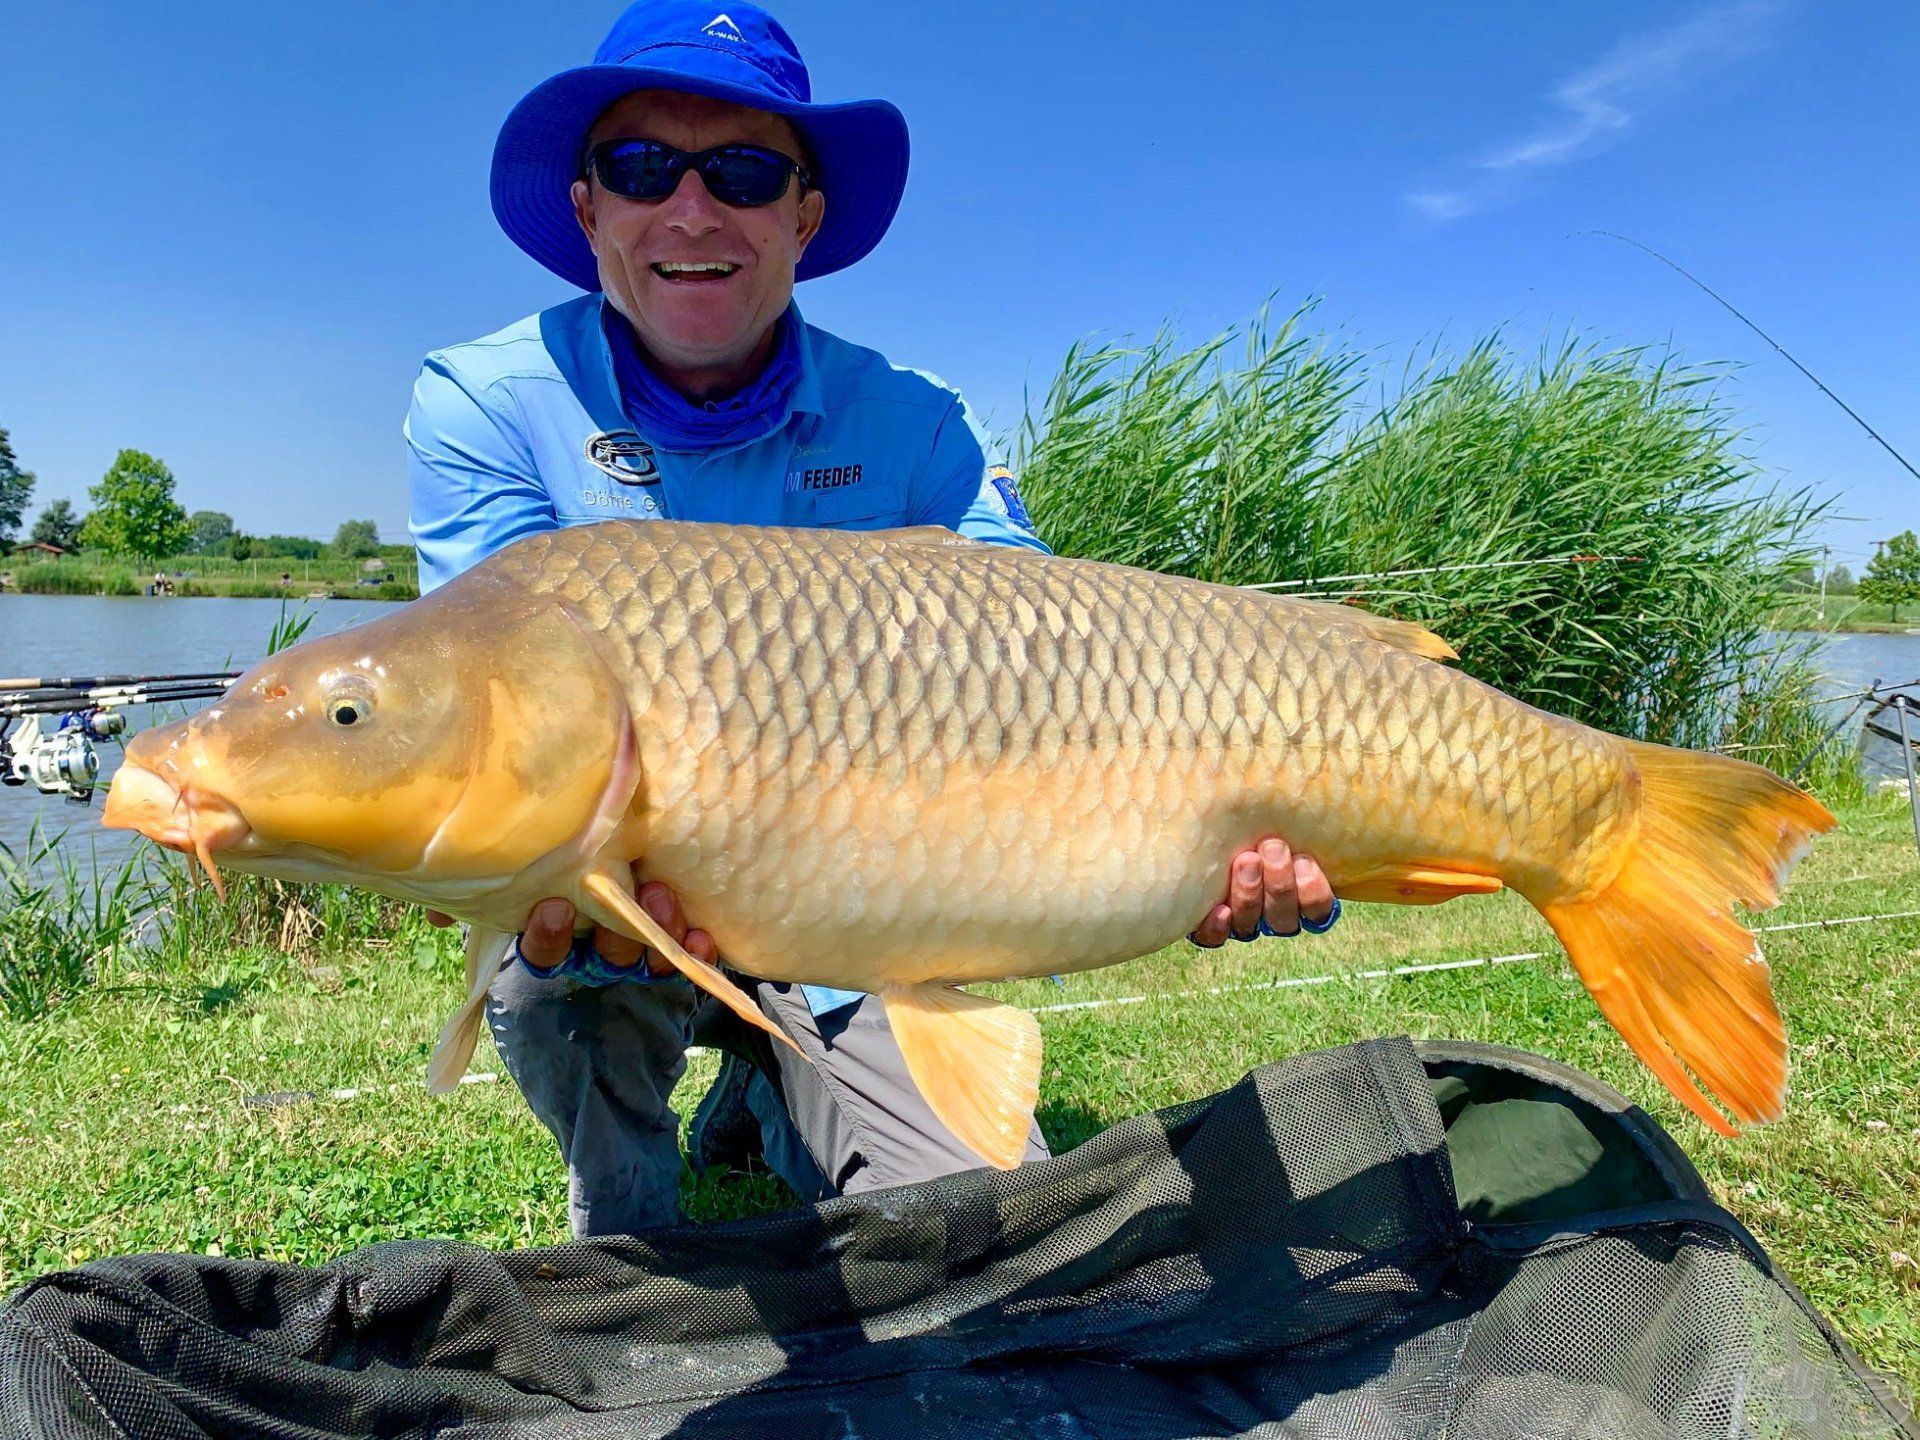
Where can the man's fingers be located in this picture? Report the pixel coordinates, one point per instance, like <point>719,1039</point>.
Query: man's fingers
<point>1244,893</point>
<point>615,948</point>
<point>700,945</point>
<point>661,903</point>
<point>1314,889</point>
<point>1279,886</point>
<point>549,934</point>
<point>1212,932</point>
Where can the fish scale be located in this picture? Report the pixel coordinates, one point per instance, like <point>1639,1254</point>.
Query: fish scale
<point>969,763</point>
<point>899,762</point>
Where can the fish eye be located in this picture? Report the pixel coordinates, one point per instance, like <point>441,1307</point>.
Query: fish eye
<point>347,710</point>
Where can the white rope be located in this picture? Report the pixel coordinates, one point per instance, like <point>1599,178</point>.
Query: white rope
<point>1295,982</point>
<point>344,1093</point>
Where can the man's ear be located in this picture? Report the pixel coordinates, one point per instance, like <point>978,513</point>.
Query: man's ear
<point>583,207</point>
<point>813,209</point>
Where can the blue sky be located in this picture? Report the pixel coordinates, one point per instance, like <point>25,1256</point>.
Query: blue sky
<point>228,232</point>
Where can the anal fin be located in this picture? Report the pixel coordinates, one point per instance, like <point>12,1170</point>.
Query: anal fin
<point>618,910</point>
<point>486,953</point>
<point>977,1063</point>
<point>1414,885</point>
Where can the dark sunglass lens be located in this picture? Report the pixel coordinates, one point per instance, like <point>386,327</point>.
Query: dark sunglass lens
<point>746,177</point>
<point>637,170</point>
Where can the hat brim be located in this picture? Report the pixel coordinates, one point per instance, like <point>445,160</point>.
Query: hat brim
<point>859,148</point>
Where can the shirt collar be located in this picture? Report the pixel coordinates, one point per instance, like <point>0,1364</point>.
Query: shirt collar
<point>808,396</point>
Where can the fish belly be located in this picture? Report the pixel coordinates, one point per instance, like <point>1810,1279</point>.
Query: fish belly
<point>869,763</point>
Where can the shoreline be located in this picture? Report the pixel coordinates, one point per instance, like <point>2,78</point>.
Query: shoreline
<point>200,592</point>
<point>1861,627</point>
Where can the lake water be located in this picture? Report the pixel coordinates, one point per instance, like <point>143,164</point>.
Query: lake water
<point>96,635</point>
<point>105,635</point>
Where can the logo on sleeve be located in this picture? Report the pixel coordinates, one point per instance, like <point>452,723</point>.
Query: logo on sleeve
<point>1005,496</point>
<point>623,455</point>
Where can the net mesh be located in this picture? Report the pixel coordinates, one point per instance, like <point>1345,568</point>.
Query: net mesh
<point>1285,1259</point>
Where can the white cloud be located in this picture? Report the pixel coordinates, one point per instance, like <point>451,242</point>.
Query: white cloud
<point>1600,102</point>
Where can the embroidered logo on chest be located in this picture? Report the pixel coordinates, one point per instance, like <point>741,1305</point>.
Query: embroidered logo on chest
<point>624,456</point>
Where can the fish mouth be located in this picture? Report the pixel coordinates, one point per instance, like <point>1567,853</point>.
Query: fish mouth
<point>191,820</point>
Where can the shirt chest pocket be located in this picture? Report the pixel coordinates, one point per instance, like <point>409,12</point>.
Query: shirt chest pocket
<point>869,505</point>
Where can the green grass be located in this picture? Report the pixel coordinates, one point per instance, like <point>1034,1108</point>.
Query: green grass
<point>125,1122</point>
<point>1843,612</point>
<point>201,575</point>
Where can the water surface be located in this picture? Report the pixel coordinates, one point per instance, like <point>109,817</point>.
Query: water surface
<point>113,635</point>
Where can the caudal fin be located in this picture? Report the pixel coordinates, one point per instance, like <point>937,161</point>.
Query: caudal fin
<point>1678,975</point>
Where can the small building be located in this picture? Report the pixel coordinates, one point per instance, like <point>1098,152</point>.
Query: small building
<point>42,547</point>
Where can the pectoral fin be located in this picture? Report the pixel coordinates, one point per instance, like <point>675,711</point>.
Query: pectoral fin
<point>977,1063</point>
<point>486,953</point>
<point>618,910</point>
<point>1413,885</point>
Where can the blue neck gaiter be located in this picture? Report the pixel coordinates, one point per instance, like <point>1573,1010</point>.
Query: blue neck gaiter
<point>667,418</point>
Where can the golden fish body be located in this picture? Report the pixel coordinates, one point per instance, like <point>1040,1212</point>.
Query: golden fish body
<point>899,761</point>
<point>871,763</point>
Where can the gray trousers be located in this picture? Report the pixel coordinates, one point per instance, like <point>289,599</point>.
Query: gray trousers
<point>598,1064</point>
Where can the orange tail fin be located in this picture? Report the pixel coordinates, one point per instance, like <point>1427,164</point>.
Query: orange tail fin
<point>1680,978</point>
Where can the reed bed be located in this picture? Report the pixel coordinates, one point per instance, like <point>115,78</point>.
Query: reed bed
<point>1584,525</point>
<point>212,575</point>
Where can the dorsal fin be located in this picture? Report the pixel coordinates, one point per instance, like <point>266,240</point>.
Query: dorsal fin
<point>1400,634</point>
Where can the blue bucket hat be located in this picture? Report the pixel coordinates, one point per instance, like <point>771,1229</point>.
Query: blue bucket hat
<point>739,53</point>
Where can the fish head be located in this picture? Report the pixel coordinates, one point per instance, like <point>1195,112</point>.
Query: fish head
<point>432,754</point>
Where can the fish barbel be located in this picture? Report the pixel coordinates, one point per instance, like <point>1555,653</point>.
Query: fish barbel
<point>899,762</point>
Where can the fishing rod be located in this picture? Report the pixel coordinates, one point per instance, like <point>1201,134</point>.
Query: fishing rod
<point>94,682</point>
<point>1447,570</point>
<point>47,702</point>
<point>66,716</point>
<point>1786,354</point>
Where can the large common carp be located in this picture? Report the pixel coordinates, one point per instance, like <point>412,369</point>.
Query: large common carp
<point>898,762</point>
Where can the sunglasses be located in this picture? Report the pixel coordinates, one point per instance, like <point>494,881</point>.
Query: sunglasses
<point>739,175</point>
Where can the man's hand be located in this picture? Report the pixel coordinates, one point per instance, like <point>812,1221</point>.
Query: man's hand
<point>1268,882</point>
<point>549,933</point>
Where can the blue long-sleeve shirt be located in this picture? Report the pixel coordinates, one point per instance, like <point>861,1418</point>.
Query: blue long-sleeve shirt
<point>523,431</point>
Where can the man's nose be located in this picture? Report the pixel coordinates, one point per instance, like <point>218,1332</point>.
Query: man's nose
<point>691,209</point>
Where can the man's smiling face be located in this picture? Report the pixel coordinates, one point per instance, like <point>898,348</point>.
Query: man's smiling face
<point>709,330</point>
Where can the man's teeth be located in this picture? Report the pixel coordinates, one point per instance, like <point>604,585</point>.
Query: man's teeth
<point>697,267</point>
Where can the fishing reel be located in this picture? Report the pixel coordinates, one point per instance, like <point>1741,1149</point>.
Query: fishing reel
<point>55,754</point>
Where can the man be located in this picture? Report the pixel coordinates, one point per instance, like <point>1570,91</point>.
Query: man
<point>685,181</point>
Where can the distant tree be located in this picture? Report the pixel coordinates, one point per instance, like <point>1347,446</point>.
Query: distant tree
<point>242,547</point>
<point>356,540</point>
<point>285,547</point>
<point>1893,576</point>
<point>134,512</point>
<point>1801,577</point>
<point>16,488</point>
<point>210,529</point>
<point>58,525</point>
<point>1840,580</point>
